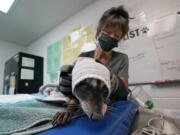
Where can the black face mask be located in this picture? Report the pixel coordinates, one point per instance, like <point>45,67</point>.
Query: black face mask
<point>107,43</point>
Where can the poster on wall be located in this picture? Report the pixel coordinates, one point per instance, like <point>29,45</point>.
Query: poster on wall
<point>73,43</point>
<point>153,50</point>
<point>67,49</point>
<point>53,60</point>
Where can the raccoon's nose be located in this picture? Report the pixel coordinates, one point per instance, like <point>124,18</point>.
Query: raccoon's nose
<point>96,116</point>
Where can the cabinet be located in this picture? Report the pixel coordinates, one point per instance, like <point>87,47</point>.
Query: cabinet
<point>23,73</point>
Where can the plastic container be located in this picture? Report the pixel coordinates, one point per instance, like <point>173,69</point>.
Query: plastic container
<point>141,97</point>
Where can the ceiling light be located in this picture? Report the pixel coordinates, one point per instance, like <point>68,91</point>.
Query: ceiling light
<point>5,5</point>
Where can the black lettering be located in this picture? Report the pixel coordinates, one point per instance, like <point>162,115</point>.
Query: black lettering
<point>126,37</point>
<point>132,35</point>
<point>137,32</point>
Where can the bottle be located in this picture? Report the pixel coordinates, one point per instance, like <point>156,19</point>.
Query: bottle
<point>141,97</point>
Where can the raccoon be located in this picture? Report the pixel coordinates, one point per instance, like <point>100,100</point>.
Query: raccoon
<point>91,98</point>
<point>89,93</point>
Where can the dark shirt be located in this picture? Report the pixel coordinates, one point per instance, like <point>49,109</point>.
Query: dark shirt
<point>118,64</point>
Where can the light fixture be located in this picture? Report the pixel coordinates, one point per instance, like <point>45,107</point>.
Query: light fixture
<point>5,5</point>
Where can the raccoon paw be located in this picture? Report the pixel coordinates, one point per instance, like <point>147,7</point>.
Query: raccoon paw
<point>61,118</point>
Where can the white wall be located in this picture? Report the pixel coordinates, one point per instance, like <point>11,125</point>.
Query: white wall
<point>91,15</point>
<point>7,50</point>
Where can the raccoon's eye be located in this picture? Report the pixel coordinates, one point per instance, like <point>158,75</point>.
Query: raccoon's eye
<point>105,92</point>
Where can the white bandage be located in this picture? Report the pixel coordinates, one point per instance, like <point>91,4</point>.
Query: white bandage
<point>85,67</point>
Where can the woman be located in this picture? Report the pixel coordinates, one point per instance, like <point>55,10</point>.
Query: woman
<point>112,27</point>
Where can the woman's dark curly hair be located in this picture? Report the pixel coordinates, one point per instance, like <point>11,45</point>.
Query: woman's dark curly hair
<point>114,17</point>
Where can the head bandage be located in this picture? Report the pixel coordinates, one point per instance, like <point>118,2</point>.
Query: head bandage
<point>88,68</point>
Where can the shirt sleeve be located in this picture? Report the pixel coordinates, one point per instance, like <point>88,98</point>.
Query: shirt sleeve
<point>124,67</point>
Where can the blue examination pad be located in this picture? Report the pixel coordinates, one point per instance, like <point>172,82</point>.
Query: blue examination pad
<point>116,122</point>
<point>18,98</point>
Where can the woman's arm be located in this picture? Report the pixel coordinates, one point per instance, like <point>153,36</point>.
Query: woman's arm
<point>125,81</point>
